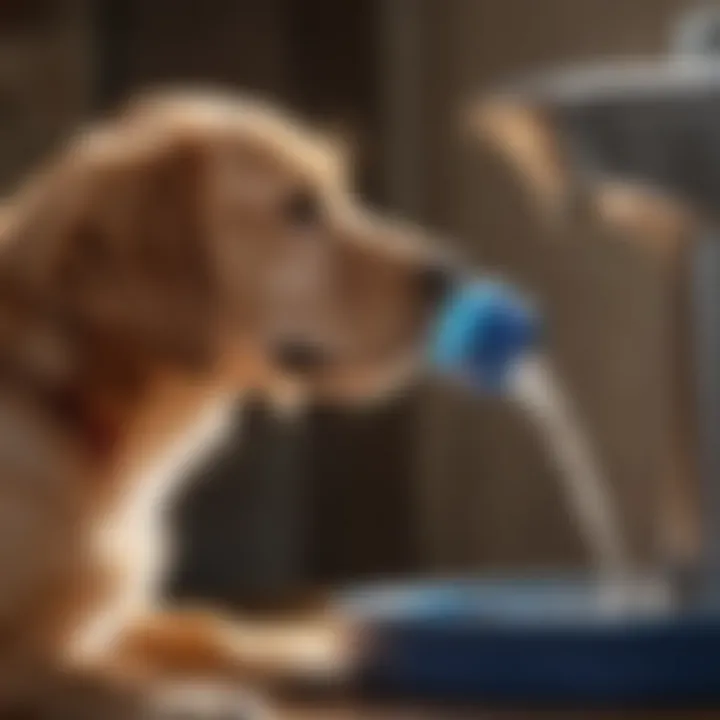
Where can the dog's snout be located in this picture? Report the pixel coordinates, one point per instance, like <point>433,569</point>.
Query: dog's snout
<point>436,281</point>
<point>300,356</point>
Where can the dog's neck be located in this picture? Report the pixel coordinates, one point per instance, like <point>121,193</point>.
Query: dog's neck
<point>113,406</point>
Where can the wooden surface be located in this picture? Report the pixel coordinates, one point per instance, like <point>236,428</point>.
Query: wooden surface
<point>350,712</point>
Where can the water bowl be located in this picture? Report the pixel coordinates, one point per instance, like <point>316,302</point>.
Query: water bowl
<point>535,640</point>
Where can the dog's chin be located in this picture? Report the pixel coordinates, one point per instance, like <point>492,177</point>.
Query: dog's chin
<point>369,384</point>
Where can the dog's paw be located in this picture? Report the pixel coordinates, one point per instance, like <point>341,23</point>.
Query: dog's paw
<point>206,701</point>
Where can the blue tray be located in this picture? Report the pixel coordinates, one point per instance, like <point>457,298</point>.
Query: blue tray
<point>533,641</point>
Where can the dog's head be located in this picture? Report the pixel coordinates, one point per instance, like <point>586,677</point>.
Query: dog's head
<point>208,233</point>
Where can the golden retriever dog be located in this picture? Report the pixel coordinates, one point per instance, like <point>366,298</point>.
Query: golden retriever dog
<point>194,248</point>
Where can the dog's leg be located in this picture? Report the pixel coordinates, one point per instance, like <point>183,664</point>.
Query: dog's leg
<point>184,665</point>
<point>205,645</point>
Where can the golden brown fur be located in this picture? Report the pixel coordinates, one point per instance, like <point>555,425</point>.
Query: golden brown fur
<point>147,275</point>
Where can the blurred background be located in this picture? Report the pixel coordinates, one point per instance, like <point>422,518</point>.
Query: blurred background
<point>435,482</point>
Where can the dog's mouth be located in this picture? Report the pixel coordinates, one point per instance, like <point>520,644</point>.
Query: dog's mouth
<point>356,378</point>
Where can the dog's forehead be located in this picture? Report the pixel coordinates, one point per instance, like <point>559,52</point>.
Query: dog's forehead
<point>243,128</point>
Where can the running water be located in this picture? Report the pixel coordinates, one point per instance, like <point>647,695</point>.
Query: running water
<point>538,391</point>
<point>536,388</point>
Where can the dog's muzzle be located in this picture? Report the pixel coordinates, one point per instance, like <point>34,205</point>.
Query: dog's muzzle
<point>437,281</point>
<point>300,357</point>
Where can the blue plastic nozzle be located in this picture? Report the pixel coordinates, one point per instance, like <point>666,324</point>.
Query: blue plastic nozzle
<point>484,329</point>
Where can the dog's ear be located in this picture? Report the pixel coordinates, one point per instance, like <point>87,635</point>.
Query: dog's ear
<point>119,246</point>
<point>143,258</point>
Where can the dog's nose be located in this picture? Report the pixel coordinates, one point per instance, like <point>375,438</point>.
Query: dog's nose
<point>436,281</point>
<point>300,356</point>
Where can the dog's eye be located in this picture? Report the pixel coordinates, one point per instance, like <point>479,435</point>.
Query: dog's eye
<point>303,209</point>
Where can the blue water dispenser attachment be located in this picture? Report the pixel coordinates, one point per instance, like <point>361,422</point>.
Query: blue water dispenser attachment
<point>481,334</point>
